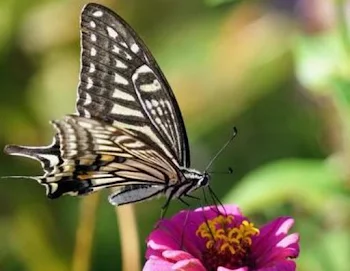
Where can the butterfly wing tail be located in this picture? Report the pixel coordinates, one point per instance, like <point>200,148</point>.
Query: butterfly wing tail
<point>48,156</point>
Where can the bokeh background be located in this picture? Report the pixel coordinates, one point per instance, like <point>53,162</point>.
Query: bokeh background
<point>278,70</point>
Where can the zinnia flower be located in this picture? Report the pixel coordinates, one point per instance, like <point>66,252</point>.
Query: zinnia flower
<point>221,239</point>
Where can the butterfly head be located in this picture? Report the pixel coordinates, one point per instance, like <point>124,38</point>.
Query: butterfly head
<point>204,181</point>
<point>196,179</point>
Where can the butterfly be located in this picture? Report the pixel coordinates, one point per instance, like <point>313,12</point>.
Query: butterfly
<point>127,133</point>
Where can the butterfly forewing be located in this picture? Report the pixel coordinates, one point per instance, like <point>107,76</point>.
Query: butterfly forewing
<point>121,84</point>
<point>128,132</point>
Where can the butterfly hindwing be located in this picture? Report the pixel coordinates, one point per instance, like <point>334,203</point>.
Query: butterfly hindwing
<point>121,84</point>
<point>103,156</point>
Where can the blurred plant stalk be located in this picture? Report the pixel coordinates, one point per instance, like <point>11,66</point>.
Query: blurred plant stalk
<point>129,237</point>
<point>85,232</point>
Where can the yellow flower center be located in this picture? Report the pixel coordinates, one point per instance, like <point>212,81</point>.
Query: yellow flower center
<point>227,241</point>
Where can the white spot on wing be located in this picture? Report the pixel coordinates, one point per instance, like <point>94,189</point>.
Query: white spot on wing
<point>116,49</point>
<point>122,110</point>
<point>142,69</point>
<point>88,99</point>
<point>148,104</point>
<point>87,113</point>
<point>122,43</point>
<point>120,64</point>
<point>53,159</point>
<point>97,13</point>
<point>92,68</point>
<point>128,56</point>
<point>111,32</point>
<point>119,51</point>
<point>120,79</point>
<point>93,37</point>
<point>53,186</point>
<point>160,111</point>
<point>90,83</point>
<point>154,86</point>
<point>135,48</point>
<point>93,51</point>
<point>117,93</point>
<point>155,102</point>
<point>92,24</point>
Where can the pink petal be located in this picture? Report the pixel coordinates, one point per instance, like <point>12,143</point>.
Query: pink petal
<point>158,241</point>
<point>177,236</point>
<point>176,255</point>
<point>161,241</point>
<point>288,240</point>
<point>280,266</point>
<point>268,236</point>
<point>273,244</point>
<point>285,226</point>
<point>276,229</point>
<point>189,265</point>
<point>157,264</point>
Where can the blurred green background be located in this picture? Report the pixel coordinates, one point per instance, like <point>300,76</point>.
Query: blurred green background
<point>278,70</point>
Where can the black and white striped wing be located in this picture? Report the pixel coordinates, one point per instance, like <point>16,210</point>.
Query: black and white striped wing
<point>88,155</point>
<point>122,85</point>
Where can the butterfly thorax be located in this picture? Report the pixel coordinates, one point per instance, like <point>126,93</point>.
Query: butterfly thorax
<point>193,179</point>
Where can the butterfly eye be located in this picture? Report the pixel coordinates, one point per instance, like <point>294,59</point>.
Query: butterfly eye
<point>203,181</point>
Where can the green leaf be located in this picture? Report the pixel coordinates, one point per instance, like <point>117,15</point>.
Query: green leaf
<point>319,59</point>
<point>311,183</point>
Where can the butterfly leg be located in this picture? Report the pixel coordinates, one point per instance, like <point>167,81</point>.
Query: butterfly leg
<point>163,210</point>
<point>184,202</point>
<point>165,207</point>
<point>215,199</point>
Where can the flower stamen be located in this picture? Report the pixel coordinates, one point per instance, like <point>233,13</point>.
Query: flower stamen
<point>226,238</point>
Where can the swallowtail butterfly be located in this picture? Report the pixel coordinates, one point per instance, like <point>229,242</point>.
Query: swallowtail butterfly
<point>127,133</point>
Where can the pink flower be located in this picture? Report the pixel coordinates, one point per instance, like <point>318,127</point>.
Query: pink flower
<point>221,239</point>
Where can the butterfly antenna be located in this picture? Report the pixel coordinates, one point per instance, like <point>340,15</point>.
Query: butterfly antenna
<point>222,149</point>
<point>229,171</point>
